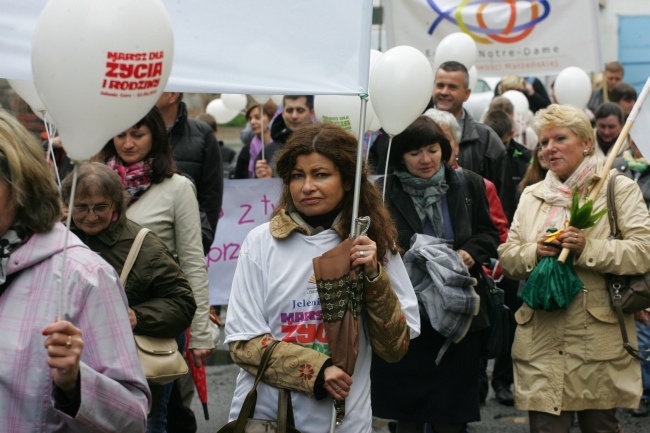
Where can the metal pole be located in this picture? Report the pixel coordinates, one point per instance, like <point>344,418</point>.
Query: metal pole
<point>357,175</point>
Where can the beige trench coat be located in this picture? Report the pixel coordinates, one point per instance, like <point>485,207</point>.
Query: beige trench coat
<point>573,359</point>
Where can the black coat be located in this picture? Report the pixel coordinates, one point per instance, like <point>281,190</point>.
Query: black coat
<point>520,158</point>
<point>197,154</point>
<point>482,152</point>
<point>415,388</point>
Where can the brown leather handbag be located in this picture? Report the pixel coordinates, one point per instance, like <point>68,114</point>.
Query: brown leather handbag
<point>245,423</point>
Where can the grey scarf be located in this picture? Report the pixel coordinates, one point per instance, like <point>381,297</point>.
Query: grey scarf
<point>426,195</point>
<point>8,243</point>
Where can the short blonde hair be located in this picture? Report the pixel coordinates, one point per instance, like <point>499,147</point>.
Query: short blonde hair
<point>510,82</point>
<point>566,116</point>
<point>22,165</point>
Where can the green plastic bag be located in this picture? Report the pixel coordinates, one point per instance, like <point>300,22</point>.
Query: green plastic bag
<point>551,286</point>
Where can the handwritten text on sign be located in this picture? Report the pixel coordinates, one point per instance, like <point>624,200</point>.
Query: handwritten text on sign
<point>247,203</point>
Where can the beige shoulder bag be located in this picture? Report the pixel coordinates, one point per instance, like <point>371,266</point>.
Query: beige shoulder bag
<point>160,359</point>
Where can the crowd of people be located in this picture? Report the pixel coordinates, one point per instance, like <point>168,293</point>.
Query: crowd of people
<point>464,200</point>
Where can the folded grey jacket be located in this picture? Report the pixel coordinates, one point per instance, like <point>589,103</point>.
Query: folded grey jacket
<point>443,286</point>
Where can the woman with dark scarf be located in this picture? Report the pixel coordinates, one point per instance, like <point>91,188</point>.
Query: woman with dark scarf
<point>259,118</point>
<point>426,196</point>
<point>165,202</point>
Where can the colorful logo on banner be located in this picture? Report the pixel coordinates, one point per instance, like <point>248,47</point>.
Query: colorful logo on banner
<point>512,32</point>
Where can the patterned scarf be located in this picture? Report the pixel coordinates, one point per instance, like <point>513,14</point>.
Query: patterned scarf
<point>637,165</point>
<point>255,149</point>
<point>136,178</point>
<point>559,195</point>
<point>12,239</point>
<point>426,195</point>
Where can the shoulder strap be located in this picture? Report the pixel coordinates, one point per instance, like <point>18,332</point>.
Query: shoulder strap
<point>463,183</point>
<point>248,408</point>
<point>614,230</point>
<point>133,254</point>
<point>617,283</point>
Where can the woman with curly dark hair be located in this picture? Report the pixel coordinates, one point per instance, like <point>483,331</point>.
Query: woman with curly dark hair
<point>274,295</point>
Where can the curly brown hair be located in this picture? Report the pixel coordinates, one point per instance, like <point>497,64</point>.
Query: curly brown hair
<point>340,147</point>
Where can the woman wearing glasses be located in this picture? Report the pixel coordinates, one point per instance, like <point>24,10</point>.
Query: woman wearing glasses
<point>163,201</point>
<point>160,300</point>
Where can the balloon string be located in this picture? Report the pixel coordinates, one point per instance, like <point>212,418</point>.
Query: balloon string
<point>383,192</point>
<point>68,223</point>
<point>262,131</point>
<point>370,141</point>
<point>50,130</point>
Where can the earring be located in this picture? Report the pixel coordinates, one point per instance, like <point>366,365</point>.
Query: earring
<point>585,152</point>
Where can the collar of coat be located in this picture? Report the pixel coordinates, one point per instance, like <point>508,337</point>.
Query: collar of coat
<point>537,190</point>
<point>287,220</point>
<point>108,236</point>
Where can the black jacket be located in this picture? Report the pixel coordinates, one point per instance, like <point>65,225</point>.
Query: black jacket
<point>156,288</point>
<point>482,152</point>
<point>197,154</point>
<point>474,230</point>
<point>519,157</point>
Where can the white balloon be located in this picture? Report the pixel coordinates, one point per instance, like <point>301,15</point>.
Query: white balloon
<point>235,102</point>
<point>573,86</point>
<point>342,110</point>
<point>519,101</point>
<point>277,99</point>
<point>473,77</point>
<point>261,99</point>
<point>219,111</point>
<point>27,90</point>
<point>400,87</point>
<point>100,66</point>
<point>43,115</point>
<point>459,47</point>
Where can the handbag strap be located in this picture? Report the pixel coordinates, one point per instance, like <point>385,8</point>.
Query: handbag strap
<point>618,281</point>
<point>614,230</point>
<point>285,407</point>
<point>133,254</point>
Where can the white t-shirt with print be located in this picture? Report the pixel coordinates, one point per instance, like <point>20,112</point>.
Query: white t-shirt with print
<point>274,292</point>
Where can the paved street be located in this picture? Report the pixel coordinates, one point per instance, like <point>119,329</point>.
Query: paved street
<point>495,417</point>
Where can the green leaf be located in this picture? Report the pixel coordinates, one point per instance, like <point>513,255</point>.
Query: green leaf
<point>581,216</point>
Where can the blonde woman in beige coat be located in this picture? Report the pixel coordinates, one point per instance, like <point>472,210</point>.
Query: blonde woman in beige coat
<point>573,360</point>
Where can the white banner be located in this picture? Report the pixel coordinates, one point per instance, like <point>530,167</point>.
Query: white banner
<point>247,203</point>
<point>237,46</point>
<point>522,37</point>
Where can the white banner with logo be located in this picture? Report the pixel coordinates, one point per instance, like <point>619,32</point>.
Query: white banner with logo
<point>237,46</point>
<point>514,37</point>
<point>247,203</point>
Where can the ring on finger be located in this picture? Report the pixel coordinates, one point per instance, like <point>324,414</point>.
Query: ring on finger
<point>336,388</point>
<point>68,344</point>
<point>362,254</point>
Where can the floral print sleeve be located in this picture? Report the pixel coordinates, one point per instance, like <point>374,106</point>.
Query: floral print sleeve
<point>389,333</point>
<point>291,366</point>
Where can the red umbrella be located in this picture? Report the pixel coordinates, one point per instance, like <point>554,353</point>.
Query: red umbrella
<point>198,374</point>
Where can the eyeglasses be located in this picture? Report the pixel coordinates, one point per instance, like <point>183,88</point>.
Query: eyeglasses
<point>99,209</point>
